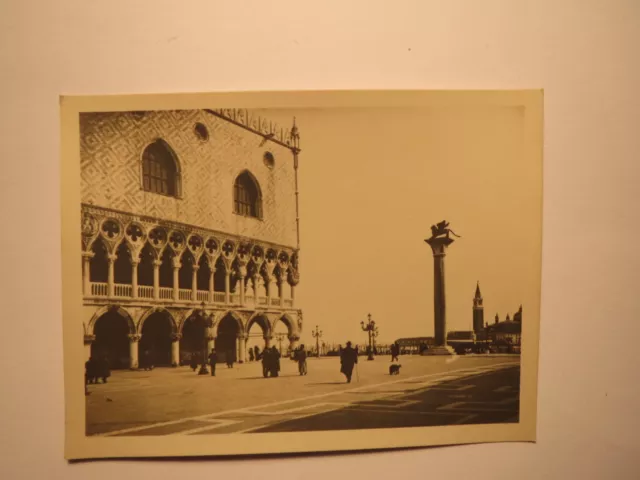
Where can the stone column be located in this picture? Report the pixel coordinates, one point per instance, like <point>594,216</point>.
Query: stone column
<point>211,283</point>
<point>227,286</point>
<point>86,273</point>
<point>110,282</point>
<point>133,350</point>
<point>156,279</point>
<point>194,283</point>
<point>175,349</point>
<point>439,247</point>
<point>88,340</point>
<point>293,295</point>
<point>281,285</point>
<point>241,283</point>
<point>134,278</point>
<point>268,284</point>
<point>176,278</point>
<point>211,340</point>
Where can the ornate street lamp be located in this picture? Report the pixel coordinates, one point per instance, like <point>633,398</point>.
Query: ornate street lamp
<point>317,334</point>
<point>372,331</point>
<point>203,369</point>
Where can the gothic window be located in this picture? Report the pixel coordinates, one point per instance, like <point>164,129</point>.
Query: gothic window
<point>246,196</point>
<point>159,169</point>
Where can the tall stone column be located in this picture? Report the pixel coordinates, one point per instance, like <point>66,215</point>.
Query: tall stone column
<point>176,278</point>
<point>175,349</point>
<point>88,340</point>
<point>439,247</point>
<point>211,284</point>
<point>134,278</point>
<point>156,279</point>
<point>133,350</point>
<point>269,283</point>
<point>281,285</point>
<point>242,347</point>
<point>194,283</point>
<point>86,273</point>
<point>293,295</point>
<point>227,286</point>
<point>211,340</point>
<point>110,281</point>
<point>241,287</point>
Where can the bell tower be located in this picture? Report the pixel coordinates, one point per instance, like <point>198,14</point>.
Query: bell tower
<point>478,312</point>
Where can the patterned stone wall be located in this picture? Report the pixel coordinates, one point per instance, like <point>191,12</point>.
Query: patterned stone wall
<point>111,147</point>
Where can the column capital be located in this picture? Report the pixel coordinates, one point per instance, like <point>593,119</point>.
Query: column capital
<point>157,263</point>
<point>134,337</point>
<point>175,337</point>
<point>88,255</point>
<point>112,257</point>
<point>175,262</point>
<point>135,262</point>
<point>88,339</point>
<point>196,267</point>
<point>210,336</point>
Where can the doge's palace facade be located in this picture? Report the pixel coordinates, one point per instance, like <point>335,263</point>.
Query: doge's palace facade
<point>190,233</point>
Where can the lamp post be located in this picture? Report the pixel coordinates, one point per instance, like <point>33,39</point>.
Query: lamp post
<point>372,331</point>
<point>317,334</point>
<point>203,369</point>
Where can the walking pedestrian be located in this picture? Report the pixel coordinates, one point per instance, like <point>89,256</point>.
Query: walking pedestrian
<point>348,358</point>
<point>213,358</point>
<point>301,358</point>
<point>194,362</point>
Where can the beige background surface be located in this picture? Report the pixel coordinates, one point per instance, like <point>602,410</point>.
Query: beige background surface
<point>580,52</point>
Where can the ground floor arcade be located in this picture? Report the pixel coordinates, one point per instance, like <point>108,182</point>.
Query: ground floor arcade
<point>128,336</point>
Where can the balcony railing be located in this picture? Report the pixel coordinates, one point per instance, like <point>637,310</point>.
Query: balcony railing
<point>185,295</point>
<point>122,291</point>
<point>202,296</point>
<point>166,293</point>
<point>145,291</point>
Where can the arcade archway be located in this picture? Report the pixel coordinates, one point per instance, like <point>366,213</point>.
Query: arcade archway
<point>257,328</point>
<point>227,338</point>
<point>155,342</point>
<point>194,339</point>
<point>111,332</point>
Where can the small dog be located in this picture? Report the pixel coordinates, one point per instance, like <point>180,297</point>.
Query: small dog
<point>394,369</point>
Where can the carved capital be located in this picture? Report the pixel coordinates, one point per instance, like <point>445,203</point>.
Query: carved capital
<point>134,337</point>
<point>175,337</point>
<point>112,257</point>
<point>88,255</point>
<point>157,263</point>
<point>175,262</point>
<point>210,336</point>
<point>196,267</point>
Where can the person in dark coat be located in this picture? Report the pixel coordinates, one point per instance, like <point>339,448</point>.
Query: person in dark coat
<point>213,358</point>
<point>103,370</point>
<point>194,361</point>
<point>256,353</point>
<point>395,351</point>
<point>230,358</point>
<point>90,371</point>
<point>266,362</point>
<point>301,358</point>
<point>251,354</point>
<point>275,361</point>
<point>348,358</point>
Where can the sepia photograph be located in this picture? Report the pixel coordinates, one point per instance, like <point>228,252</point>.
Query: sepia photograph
<point>299,272</point>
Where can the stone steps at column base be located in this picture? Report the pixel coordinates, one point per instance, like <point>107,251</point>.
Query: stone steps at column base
<point>443,350</point>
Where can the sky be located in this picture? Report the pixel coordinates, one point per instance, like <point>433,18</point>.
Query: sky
<point>373,180</point>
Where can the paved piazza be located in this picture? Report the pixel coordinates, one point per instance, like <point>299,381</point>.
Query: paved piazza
<point>428,391</point>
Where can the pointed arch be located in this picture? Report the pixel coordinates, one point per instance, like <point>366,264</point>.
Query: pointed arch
<point>154,310</point>
<point>99,263</point>
<point>263,322</point>
<point>160,169</point>
<point>233,314</point>
<point>247,195</point>
<point>111,308</point>
<point>290,323</point>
